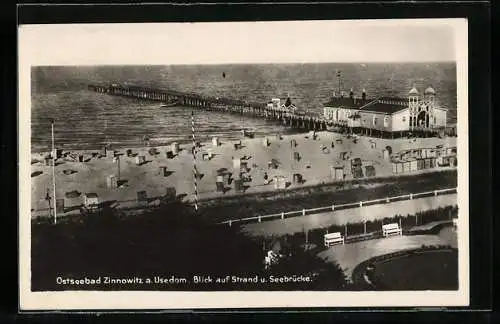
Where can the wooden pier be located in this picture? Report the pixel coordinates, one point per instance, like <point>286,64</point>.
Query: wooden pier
<point>201,102</point>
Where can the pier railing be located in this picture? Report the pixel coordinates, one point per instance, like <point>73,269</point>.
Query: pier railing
<point>333,207</point>
<point>210,103</point>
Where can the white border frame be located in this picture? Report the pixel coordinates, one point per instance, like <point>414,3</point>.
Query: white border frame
<point>87,300</point>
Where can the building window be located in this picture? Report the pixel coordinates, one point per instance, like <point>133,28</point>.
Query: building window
<point>386,121</point>
<point>404,119</point>
<point>374,120</point>
<point>434,120</point>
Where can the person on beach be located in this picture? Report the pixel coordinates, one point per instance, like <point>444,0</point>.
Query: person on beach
<point>266,177</point>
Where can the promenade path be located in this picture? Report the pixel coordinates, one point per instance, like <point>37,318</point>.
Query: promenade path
<point>348,256</point>
<point>341,217</point>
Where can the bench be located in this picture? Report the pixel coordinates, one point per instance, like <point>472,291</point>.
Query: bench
<point>333,238</point>
<point>391,229</point>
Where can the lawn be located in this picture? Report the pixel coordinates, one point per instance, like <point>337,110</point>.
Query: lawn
<point>429,270</point>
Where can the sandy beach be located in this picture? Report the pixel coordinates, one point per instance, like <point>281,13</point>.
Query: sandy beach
<point>317,156</point>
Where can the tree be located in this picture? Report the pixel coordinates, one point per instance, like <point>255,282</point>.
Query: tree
<point>171,240</point>
<point>325,275</point>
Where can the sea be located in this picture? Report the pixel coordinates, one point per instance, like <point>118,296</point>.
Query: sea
<point>87,120</point>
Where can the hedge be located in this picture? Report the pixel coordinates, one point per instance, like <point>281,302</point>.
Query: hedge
<point>316,236</point>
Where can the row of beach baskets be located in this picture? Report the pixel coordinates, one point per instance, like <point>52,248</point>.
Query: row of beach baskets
<point>425,153</point>
<point>422,164</point>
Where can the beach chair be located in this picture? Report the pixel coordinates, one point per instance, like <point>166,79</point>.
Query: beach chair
<point>91,200</point>
<point>142,197</point>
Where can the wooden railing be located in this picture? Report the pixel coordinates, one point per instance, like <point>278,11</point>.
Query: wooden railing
<point>334,207</point>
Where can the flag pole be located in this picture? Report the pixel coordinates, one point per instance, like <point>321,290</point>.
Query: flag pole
<point>54,172</point>
<point>195,170</point>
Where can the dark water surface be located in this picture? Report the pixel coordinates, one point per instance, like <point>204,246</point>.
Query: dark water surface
<point>86,120</point>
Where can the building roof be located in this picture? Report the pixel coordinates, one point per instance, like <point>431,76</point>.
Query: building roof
<point>387,105</point>
<point>346,102</point>
<point>383,108</point>
<point>413,91</point>
<point>430,90</point>
<point>291,106</point>
<point>395,100</point>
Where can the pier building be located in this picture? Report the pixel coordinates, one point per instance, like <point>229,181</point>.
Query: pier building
<point>283,105</point>
<point>415,113</point>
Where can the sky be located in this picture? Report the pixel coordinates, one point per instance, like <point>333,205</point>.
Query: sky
<point>367,41</point>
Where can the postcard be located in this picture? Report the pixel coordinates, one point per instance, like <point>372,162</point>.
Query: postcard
<point>243,165</point>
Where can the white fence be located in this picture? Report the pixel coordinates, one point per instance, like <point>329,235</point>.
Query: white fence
<point>333,207</point>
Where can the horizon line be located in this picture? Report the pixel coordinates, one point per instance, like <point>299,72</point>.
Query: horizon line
<point>240,63</point>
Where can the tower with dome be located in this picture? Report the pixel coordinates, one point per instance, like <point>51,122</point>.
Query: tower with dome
<point>424,112</point>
